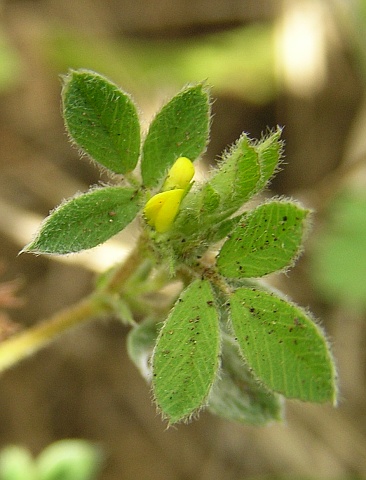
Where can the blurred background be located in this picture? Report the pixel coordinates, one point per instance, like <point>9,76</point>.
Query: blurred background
<point>297,63</point>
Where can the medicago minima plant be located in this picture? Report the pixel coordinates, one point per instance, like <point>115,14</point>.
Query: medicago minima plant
<point>219,337</point>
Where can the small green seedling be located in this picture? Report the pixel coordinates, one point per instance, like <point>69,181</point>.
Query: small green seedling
<point>225,340</point>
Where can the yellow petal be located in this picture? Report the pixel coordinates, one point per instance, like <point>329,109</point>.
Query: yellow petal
<point>153,206</point>
<point>161,210</point>
<point>169,209</point>
<point>180,175</point>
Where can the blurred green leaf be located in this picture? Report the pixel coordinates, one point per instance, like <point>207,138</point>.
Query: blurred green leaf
<point>237,395</point>
<point>102,120</point>
<point>240,62</point>
<point>86,221</point>
<point>69,460</point>
<point>10,63</point>
<point>266,240</point>
<point>140,344</point>
<point>16,463</point>
<point>283,346</point>
<point>186,356</point>
<point>339,252</point>
<point>181,128</point>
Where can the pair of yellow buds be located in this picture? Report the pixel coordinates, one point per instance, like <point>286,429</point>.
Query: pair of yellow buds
<point>161,210</point>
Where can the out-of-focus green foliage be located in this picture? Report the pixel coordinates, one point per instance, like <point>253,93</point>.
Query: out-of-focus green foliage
<point>16,463</point>
<point>9,63</point>
<point>63,460</point>
<point>239,61</point>
<point>339,253</point>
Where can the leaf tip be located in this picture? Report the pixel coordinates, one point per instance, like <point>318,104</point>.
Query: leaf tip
<point>28,248</point>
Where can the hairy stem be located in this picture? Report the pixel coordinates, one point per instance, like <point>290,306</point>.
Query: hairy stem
<point>28,342</point>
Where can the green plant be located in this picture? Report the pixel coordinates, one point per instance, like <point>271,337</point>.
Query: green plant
<point>62,460</point>
<point>224,339</point>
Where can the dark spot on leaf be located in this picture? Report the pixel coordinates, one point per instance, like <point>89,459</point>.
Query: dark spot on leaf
<point>297,323</point>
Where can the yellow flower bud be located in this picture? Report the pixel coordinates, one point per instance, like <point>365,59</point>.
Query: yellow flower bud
<point>161,210</point>
<point>180,174</point>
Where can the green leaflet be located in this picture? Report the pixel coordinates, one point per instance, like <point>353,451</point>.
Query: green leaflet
<point>236,179</point>
<point>269,151</point>
<point>86,221</point>
<point>186,356</point>
<point>282,345</point>
<point>266,240</point>
<point>102,120</point>
<point>180,129</point>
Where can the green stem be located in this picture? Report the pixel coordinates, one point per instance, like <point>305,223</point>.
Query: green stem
<point>126,269</point>
<point>28,342</point>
